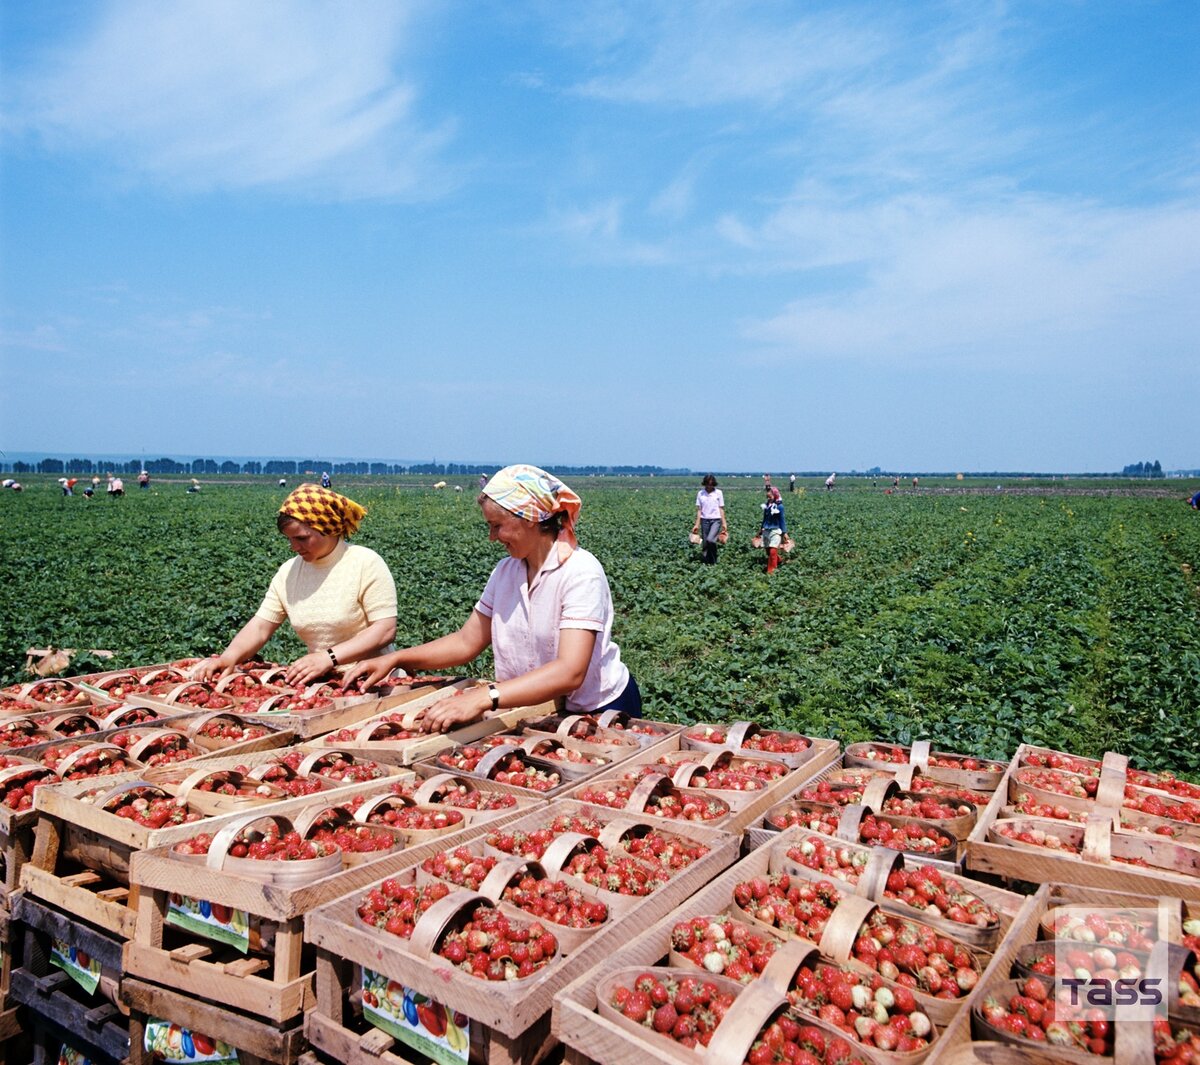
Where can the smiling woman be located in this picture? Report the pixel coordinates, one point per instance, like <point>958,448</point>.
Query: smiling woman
<point>340,598</point>
<point>546,613</point>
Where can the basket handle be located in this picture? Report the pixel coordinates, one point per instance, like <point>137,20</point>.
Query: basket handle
<point>841,930</point>
<point>650,785</point>
<point>874,877</point>
<point>568,723</point>
<point>739,731</point>
<point>489,761</point>
<point>505,870</point>
<point>918,754</point>
<point>304,821</point>
<point>1170,918</point>
<point>786,960</point>
<point>68,763</point>
<point>195,724</point>
<point>118,790</point>
<point>682,777</point>
<point>434,920</point>
<point>531,745</point>
<point>371,805</point>
<point>1097,837</point>
<point>1110,792</point>
<point>156,736</point>
<point>310,761</point>
<point>189,782</point>
<point>877,792</point>
<point>904,776</point>
<point>849,821</point>
<point>267,706</point>
<point>25,768</point>
<point>606,719</point>
<point>615,831</point>
<point>561,848</point>
<point>173,695</point>
<point>218,850</point>
<point>733,1037</point>
<point>434,785</point>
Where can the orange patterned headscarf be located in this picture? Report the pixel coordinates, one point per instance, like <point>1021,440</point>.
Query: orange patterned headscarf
<point>535,495</point>
<point>324,510</point>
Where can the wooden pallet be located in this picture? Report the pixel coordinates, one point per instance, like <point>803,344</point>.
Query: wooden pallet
<point>48,992</point>
<point>277,988</point>
<point>257,1042</point>
<point>508,1012</point>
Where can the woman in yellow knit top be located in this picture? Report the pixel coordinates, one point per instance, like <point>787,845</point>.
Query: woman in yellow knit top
<point>339,597</point>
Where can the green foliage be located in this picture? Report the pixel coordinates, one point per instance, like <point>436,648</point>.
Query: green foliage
<point>978,620</point>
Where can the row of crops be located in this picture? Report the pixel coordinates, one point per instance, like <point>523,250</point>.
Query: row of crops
<point>978,619</point>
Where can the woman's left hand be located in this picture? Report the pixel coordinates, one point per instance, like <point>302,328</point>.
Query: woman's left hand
<point>460,709</point>
<point>312,667</point>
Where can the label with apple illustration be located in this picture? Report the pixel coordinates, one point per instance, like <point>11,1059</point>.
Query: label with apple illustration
<point>211,920</point>
<point>77,964</point>
<point>441,1034</point>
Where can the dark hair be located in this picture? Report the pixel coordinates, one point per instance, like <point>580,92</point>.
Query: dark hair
<point>709,481</point>
<point>282,519</point>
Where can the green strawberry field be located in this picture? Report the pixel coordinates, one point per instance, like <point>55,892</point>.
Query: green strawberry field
<point>1064,615</point>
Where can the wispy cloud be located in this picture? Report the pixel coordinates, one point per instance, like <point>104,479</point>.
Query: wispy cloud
<point>211,94</point>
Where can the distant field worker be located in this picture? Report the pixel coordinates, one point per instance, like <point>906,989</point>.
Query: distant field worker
<point>1194,502</point>
<point>710,519</point>
<point>339,597</point>
<point>774,527</point>
<point>546,612</point>
<point>829,482</point>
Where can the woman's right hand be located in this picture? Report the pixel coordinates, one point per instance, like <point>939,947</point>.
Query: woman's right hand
<point>374,669</point>
<point>210,667</point>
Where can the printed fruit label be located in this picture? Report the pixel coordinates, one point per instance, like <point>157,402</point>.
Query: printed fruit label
<point>211,920</point>
<point>427,1026</point>
<point>174,1045</point>
<point>81,968</point>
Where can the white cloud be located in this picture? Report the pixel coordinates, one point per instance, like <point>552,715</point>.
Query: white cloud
<point>1029,282</point>
<point>203,94</point>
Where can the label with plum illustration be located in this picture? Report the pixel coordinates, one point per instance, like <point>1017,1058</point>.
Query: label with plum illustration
<point>77,964</point>
<point>68,1055</point>
<point>211,920</point>
<point>174,1045</point>
<point>427,1026</point>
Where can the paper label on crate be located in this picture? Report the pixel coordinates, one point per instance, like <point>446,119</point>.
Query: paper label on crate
<point>440,1034</point>
<point>68,1055</point>
<point>174,1045</point>
<point>211,920</point>
<point>77,964</point>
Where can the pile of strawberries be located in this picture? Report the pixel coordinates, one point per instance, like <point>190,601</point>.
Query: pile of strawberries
<point>836,793</point>
<point>98,763</point>
<point>1055,760</point>
<point>153,811</point>
<point>816,817</point>
<point>1032,1013</point>
<point>970,764</point>
<point>395,907</point>
<point>928,889</point>
<point>516,772</point>
<point>417,818</point>
<point>17,794</point>
<point>283,777</point>
<point>687,1009</point>
<point>227,730</point>
<point>949,792</point>
<point>1175,1044</point>
<point>21,733</point>
<point>244,686</point>
<point>795,906</point>
<point>672,852</point>
<point>338,766</point>
<point>914,955</point>
<point>830,858</point>
<point>1085,962</point>
<point>929,808</point>
<point>863,1006</point>
<point>290,704</point>
<point>533,844</point>
<point>465,759</point>
<point>352,839</point>
<point>269,846</point>
<point>57,692</point>
<point>616,872</point>
<point>1155,805</point>
<point>1058,781</point>
<point>203,698</point>
<point>1131,931</point>
<point>556,902</point>
<point>461,797</point>
<point>460,867</point>
<point>915,838</point>
<point>786,1039</point>
<point>493,947</point>
<point>718,944</point>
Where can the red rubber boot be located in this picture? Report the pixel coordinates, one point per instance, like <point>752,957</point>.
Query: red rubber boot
<point>772,559</point>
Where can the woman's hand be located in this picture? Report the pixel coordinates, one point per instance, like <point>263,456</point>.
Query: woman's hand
<point>207,668</point>
<point>374,669</point>
<point>311,667</point>
<point>459,709</point>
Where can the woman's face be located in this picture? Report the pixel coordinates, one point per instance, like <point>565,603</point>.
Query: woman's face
<point>519,536</point>
<point>309,544</point>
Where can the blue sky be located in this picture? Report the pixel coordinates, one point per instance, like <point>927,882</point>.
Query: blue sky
<point>729,235</point>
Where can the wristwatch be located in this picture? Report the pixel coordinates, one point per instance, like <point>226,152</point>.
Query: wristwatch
<point>494,692</point>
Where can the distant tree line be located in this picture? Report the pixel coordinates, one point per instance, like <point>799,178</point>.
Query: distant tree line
<point>294,467</point>
<point>1144,469</point>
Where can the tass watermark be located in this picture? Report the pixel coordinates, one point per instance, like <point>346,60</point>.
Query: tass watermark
<point>1105,959</point>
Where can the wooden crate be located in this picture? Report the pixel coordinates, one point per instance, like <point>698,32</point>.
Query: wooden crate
<point>256,1041</point>
<point>1041,866</point>
<point>46,1037</point>
<point>97,1021</point>
<point>277,989</point>
<point>89,881</point>
<point>512,1015</point>
<point>16,847</point>
<point>576,1021</point>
